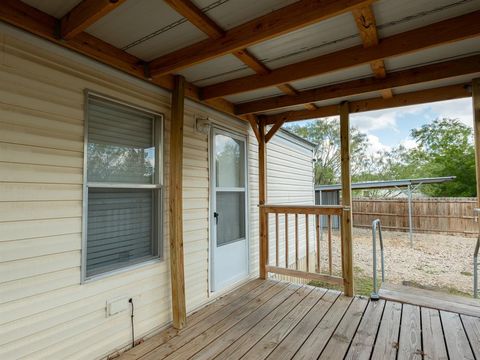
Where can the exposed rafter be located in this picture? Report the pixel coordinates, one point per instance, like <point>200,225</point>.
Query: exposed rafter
<point>451,30</point>
<point>26,17</point>
<point>367,26</point>
<point>421,74</point>
<point>412,98</point>
<point>278,22</point>
<point>193,14</point>
<point>85,14</point>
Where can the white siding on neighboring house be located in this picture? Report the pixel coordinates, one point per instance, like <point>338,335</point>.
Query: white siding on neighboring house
<point>45,311</point>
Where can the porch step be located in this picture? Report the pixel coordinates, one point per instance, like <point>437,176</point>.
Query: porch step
<point>430,299</point>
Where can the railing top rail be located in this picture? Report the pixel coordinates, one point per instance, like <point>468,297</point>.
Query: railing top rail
<point>304,209</point>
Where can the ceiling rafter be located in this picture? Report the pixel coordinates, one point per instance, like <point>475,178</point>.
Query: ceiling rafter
<point>367,26</point>
<point>446,31</point>
<point>276,23</point>
<point>205,24</point>
<point>420,74</point>
<point>26,17</point>
<point>450,92</point>
<point>85,14</point>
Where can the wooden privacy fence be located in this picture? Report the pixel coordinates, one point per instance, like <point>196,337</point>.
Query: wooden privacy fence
<point>293,242</point>
<point>430,215</point>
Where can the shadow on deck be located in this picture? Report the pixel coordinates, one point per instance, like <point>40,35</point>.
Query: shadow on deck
<point>267,319</point>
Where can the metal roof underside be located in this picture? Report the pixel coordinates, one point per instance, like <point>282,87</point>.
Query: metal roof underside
<point>387,184</point>
<point>151,28</point>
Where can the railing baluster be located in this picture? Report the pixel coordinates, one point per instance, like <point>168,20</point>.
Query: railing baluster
<point>276,240</point>
<point>311,271</point>
<point>317,219</point>
<point>286,240</point>
<point>330,244</point>
<point>296,241</point>
<point>267,239</point>
<point>307,243</point>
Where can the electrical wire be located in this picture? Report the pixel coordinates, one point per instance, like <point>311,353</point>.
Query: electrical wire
<point>133,328</point>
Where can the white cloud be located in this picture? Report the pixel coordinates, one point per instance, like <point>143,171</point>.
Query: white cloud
<point>375,120</point>
<point>456,109</point>
<point>408,143</point>
<point>376,145</point>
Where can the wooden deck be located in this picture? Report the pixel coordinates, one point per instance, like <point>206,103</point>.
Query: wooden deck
<point>278,320</point>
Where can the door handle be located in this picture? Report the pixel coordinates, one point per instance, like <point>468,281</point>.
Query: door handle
<point>216,215</point>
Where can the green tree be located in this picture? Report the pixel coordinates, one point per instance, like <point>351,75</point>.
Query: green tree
<point>445,148</point>
<point>326,134</point>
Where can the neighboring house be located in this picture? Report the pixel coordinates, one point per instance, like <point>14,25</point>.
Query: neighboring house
<point>57,279</point>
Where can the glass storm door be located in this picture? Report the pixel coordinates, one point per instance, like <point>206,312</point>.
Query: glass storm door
<point>229,209</point>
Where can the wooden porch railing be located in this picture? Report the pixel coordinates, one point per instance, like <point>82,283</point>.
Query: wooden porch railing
<point>305,262</point>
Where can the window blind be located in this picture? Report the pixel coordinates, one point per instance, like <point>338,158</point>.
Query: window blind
<point>122,224</point>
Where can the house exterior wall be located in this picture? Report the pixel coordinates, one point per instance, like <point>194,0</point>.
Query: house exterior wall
<point>45,310</point>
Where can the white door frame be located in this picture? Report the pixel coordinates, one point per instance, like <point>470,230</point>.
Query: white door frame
<point>215,129</point>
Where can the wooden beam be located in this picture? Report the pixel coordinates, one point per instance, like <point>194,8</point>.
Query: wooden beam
<point>85,14</point>
<point>278,22</point>
<point>421,74</point>
<point>274,130</point>
<point>447,31</point>
<point>254,125</point>
<point>367,26</point>
<point>346,231</point>
<point>262,198</point>
<point>476,128</point>
<point>412,98</point>
<point>28,18</point>
<point>193,14</point>
<point>176,204</point>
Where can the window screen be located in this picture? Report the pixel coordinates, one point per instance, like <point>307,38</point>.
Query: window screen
<point>123,186</point>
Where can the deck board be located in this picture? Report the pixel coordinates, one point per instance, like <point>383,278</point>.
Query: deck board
<point>267,319</point>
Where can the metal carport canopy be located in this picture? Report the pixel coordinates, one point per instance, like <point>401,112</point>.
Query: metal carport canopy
<point>406,183</point>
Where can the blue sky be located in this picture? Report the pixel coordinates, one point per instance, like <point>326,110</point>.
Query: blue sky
<point>391,127</point>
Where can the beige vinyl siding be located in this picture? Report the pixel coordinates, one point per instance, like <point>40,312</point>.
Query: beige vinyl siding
<point>45,311</point>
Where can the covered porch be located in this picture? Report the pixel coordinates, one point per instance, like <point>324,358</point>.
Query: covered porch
<point>277,315</point>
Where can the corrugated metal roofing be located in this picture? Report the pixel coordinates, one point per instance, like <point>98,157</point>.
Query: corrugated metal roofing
<point>394,16</point>
<point>146,28</point>
<point>56,8</point>
<point>231,13</point>
<point>387,184</point>
<point>435,54</point>
<point>321,38</point>
<point>256,94</point>
<point>151,28</point>
<point>219,69</point>
<point>356,72</point>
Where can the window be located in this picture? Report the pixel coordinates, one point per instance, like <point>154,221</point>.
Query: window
<point>123,186</point>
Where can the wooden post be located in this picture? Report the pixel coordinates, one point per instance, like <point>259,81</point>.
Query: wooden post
<point>476,128</point>
<point>262,197</point>
<point>347,256</point>
<point>175,204</point>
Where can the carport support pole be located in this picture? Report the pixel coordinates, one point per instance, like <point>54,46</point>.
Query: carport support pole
<point>410,222</point>
<point>476,129</point>
<point>346,231</point>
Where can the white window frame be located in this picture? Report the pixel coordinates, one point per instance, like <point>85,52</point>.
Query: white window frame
<point>158,185</point>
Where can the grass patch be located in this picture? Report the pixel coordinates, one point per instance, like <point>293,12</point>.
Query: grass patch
<point>363,284</point>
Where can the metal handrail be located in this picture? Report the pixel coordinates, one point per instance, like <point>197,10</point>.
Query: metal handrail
<point>475,260</point>
<point>377,225</point>
<point>475,269</point>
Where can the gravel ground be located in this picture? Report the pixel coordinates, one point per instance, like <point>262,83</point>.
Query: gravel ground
<point>435,261</point>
